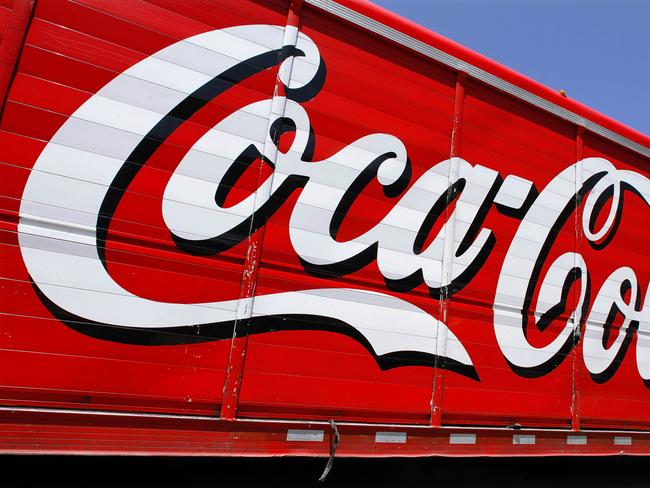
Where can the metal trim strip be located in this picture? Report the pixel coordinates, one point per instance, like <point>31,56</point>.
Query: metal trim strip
<point>394,35</point>
<point>302,422</point>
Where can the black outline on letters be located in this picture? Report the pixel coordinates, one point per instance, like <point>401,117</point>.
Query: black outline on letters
<point>224,330</point>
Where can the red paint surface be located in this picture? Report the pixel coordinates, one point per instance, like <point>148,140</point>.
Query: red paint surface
<point>73,48</point>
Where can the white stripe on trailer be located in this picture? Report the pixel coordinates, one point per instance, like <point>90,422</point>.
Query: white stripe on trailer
<point>622,440</point>
<point>523,439</point>
<point>462,438</point>
<point>305,435</point>
<point>390,437</point>
<point>576,440</point>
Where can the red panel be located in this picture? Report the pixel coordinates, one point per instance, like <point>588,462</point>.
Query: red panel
<point>514,139</point>
<point>370,88</point>
<point>300,366</point>
<point>622,401</point>
<point>72,50</point>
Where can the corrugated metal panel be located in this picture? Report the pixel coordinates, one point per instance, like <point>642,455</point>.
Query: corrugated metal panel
<point>330,225</point>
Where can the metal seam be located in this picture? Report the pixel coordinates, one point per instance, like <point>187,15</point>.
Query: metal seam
<point>436,54</point>
<point>306,423</point>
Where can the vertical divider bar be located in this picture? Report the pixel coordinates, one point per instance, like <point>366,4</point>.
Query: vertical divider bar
<point>577,333</point>
<point>448,252</point>
<point>239,345</point>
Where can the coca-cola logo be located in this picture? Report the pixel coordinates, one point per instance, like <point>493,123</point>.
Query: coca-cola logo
<point>69,269</point>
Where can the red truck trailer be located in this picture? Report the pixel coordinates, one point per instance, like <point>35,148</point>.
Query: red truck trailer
<point>269,227</point>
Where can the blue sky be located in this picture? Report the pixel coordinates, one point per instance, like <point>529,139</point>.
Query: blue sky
<point>596,50</point>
